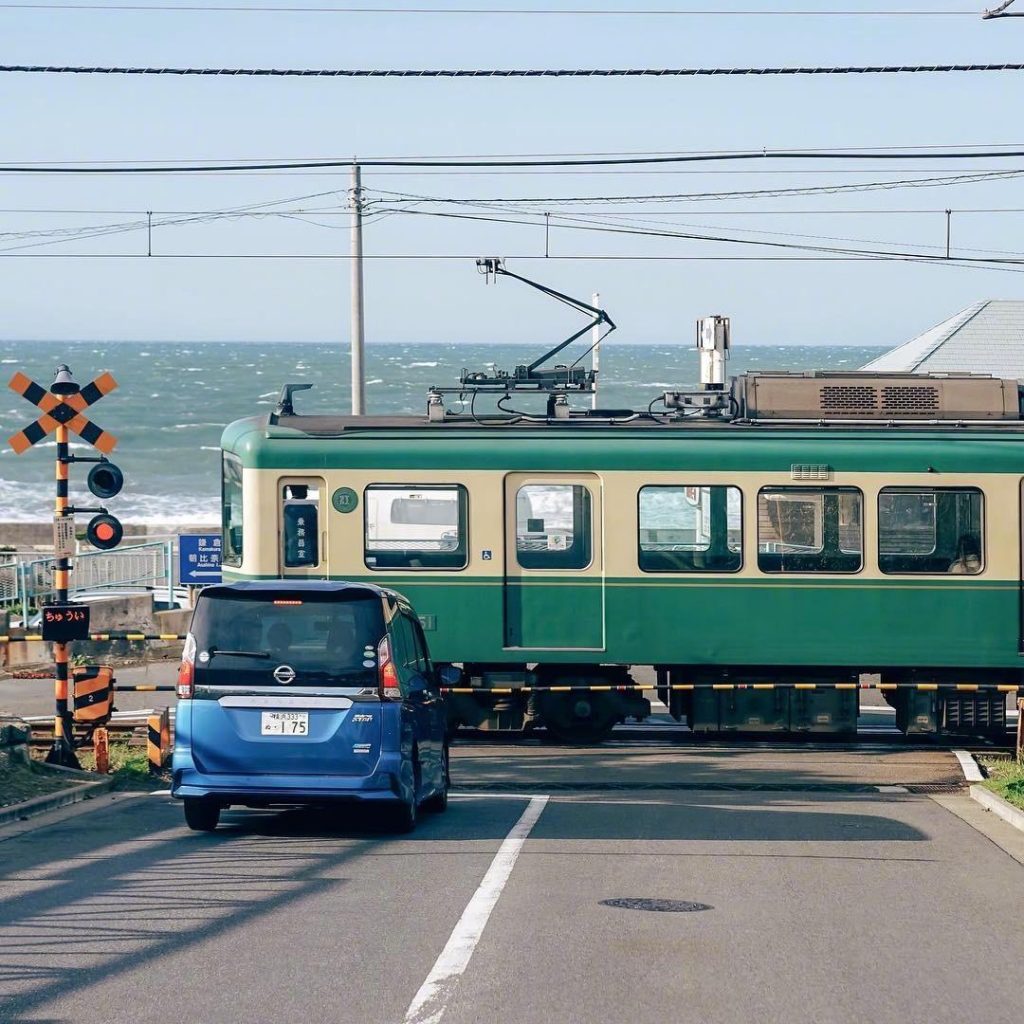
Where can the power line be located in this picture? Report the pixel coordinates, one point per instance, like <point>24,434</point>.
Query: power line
<point>567,222</point>
<point>865,211</point>
<point>487,157</point>
<point>690,236</point>
<point>880,69</point>
<point>495,11</point>
<point>507,163</point>
<point>1008,266</point>
<point>725,196</point>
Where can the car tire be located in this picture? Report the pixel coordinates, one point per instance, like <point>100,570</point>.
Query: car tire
<point>402,818</point>
<point>438,803</point>
<point>201,815</point>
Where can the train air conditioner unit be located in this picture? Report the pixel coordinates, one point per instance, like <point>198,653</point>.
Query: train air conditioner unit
<point>818,395</point>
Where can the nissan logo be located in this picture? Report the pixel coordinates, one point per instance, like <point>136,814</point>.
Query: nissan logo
<point>284,674</point>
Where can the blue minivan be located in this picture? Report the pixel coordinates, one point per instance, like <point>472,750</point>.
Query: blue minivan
<point>308,692</point>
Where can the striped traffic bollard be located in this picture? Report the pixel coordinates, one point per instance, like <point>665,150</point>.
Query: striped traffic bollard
<point>101,750</point>
<point>158,740</point>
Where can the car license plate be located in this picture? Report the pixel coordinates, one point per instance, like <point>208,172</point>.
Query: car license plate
<point>284,723</point>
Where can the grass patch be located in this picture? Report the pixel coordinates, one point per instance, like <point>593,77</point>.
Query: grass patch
<point>128,765</point>
<point>25,781</point>
<point>1005,776</point>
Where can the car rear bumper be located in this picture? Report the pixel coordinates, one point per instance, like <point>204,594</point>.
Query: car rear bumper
<point>261,789</point>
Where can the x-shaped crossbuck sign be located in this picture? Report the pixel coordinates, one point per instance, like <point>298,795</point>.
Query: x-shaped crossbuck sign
<point>66,410</point>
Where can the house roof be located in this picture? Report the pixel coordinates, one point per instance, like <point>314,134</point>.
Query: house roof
<point>987,337</point>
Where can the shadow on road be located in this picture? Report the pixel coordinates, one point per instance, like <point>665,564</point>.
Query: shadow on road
<point>114,891</point>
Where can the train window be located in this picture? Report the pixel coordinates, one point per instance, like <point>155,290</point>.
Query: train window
<point>553,526</point>
<point>690,529</point>
<point>410,527</point>
<point>810,529</point>
<point>934,531</point>
<point>231,509</point>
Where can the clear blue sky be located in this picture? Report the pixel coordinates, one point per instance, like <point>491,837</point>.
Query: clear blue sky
<point>83,118</point>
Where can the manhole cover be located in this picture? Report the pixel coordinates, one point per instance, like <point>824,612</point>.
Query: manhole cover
<point>658,906</point>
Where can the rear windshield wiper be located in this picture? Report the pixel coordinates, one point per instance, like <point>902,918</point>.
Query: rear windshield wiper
<point>239,654</point>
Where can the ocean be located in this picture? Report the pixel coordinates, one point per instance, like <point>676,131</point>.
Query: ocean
<point>174,400</point>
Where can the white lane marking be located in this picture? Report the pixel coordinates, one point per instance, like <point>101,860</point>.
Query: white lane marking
<point>972,773</point>
<point>892,789</point>
<point>487,795</point>
<point>429,1004</point>
<point>159,792</point>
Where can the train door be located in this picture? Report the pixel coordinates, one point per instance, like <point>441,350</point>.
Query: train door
<point>554,562</point>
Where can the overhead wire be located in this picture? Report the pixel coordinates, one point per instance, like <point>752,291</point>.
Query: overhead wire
<point>504,164</point>
<point>493,11</point>
<point>803,190</point>
<point>691,236</point>
<point>693,72</point>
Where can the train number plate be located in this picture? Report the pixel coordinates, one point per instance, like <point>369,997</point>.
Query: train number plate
<point>284,723</point>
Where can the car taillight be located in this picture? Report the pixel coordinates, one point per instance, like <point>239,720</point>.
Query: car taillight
<point>387,673</point>
<point>187,669</point>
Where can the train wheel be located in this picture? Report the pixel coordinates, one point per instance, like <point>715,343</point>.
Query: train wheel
<point>578,718</point>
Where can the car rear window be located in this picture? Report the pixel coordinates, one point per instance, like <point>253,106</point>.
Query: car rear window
<point>325,638</point>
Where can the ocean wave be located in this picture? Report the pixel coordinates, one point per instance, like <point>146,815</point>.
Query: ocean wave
<point>37,507</point>
<point>413,366</point>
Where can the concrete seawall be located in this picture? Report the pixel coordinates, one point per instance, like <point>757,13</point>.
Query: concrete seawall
<point>25,536</point>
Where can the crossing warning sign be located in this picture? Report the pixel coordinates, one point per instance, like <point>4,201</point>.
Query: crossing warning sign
<point>65,410</point>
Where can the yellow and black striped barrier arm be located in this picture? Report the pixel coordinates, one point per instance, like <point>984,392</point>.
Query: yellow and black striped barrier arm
<point>689,687</point>
<point>20,638</point>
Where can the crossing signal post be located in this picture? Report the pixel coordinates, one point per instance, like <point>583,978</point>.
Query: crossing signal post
<point>63,409</point>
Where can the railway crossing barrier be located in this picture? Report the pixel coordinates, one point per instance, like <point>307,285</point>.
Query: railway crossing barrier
<point>689,687</point>
<point>62,409</point>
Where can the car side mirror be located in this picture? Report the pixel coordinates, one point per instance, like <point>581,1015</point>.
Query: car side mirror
<point>449,675</point>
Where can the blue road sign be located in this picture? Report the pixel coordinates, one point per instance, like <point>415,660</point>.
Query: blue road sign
<point>199,559</point>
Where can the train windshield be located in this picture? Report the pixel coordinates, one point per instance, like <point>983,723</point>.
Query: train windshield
<point>249,638</point>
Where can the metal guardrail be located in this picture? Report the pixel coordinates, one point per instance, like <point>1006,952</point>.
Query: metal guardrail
<point>26,578</point>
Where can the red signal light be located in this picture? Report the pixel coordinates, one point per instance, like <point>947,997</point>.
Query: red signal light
<point>104,532</point>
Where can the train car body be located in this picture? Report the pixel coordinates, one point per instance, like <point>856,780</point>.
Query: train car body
<point>760,569</point>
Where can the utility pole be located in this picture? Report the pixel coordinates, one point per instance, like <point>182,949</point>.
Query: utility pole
<point>358,326</point>
<point>595,333</point>
<point>949,231</point>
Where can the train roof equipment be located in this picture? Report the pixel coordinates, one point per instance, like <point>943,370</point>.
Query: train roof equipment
<point>760,398</point>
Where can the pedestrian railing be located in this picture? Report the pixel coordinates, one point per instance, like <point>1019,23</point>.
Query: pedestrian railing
<point>27,582</point>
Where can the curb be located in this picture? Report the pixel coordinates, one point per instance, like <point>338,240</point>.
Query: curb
<point>52,801</point>
<point>998,806</point>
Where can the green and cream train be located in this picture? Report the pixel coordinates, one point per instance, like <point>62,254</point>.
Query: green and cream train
<point>760,560</point>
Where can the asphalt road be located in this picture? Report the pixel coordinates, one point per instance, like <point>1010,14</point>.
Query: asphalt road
<point>831,902</point>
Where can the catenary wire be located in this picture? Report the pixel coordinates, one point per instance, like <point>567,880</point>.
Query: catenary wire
<point>589,153</point>
<point>512,163</point>
<point>744,194</point>
<point>696,72</point>
<point>506,11</point>
<point>964,264</point>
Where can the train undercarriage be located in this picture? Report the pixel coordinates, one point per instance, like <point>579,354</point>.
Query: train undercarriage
<point>583,703</point>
